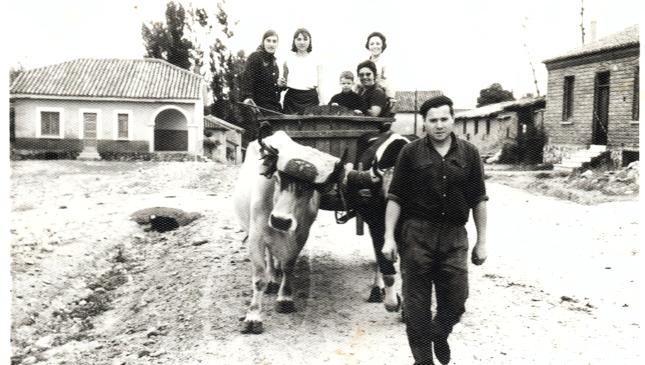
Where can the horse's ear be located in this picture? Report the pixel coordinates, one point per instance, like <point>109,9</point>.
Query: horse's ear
<point>269,157</point>
<point>264,129</point>
<point>343,157</point>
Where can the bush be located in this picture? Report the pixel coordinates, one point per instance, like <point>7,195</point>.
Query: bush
<point>510,153</point>
<point>43,155</point>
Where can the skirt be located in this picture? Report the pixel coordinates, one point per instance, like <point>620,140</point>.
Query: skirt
<point>296,101</point>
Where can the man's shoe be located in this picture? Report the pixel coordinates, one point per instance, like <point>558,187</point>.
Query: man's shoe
<point>442,350</point>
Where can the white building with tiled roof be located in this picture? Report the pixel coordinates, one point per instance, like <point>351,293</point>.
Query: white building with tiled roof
<point>226,140</point>
<point>407,110</point>
<point>109,106</point>
<point>592,103</point>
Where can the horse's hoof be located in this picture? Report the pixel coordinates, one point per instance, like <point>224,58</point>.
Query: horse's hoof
<point>376,295</point>
<point>396,307</point>
<point>272,288</point>
<point>252,327</point>
<point>285,306</point>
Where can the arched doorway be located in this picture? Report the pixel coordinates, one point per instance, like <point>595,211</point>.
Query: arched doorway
<point>171,131</point>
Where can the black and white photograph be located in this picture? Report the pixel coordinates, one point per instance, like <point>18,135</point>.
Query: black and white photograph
<point>322,182</point>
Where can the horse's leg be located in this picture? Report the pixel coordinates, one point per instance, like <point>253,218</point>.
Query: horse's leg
<point>253,320</point>
<point>272,282</point>
<point>377,234</point>
<point>385,272</point>
<point>284,302</point>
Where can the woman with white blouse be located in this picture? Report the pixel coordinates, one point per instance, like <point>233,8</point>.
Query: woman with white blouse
<point>302,72</point>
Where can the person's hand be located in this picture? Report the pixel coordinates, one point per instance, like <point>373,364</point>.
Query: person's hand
<point>389,249</point>
<point>349,167</point>
<point>356,111</point>
<point>392,105</point>
<point>374,178</point>
<point>479,254</point>
<point>249,101</point>
<point>334,104</point>
<point>282,82</point>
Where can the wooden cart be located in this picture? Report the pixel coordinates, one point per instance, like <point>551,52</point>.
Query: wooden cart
<point>328,133</point>
<point>332,134</point>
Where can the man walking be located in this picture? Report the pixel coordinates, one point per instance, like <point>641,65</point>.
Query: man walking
<point>438,180</point>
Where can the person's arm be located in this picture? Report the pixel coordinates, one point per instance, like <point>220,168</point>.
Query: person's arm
<point>478,198</point>
<point>318,83</point>
<point>396,194</point>
<point>480,217</point>
<point>392,215</point>
<point>248,79</point>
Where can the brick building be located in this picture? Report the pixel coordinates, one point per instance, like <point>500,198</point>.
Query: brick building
<point>592,99</point>
<point>492,126</point>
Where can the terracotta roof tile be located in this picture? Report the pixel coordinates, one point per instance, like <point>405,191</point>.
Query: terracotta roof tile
<point>405,99</point>
<point>146,78</point>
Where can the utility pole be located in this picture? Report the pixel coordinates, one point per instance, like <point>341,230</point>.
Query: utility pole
<point>528,54</point>
<point>582,20</point>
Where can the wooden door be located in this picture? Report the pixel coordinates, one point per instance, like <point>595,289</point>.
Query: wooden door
<point>89,129</point>
<point>601,109</point>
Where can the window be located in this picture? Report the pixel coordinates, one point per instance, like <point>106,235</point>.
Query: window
<point>487,126</point>
<point>122,121</point>
<point>636,97</point>
<point>122,124</point>
<point>476,126</point>
<point>49,123</point>
<point>465,125</point>
<point>567,98</point>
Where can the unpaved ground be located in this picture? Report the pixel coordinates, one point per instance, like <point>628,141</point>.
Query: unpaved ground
<point>91,287</point>
<point>592,186</point>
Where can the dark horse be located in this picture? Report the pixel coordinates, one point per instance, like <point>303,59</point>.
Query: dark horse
<point>366,194</point>
<point>377,154</point>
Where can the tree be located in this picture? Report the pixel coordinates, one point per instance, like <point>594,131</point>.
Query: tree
<point>167,41</point>
<point>494,94</point>
<point>15,71</point>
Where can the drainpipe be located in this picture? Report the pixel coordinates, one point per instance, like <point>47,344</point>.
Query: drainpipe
<point>415,111</point>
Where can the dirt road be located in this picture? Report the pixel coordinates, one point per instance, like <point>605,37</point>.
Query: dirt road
<point>561,284</point>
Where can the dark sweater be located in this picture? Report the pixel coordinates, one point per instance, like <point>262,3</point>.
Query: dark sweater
<point>350,100</point>
<point>260,80</point>
<point>375,96</point>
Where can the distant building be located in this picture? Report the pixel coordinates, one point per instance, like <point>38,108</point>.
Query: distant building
<point>491,126</point>
<point>407,109</point>
<point>109,105</point>
<point>593,99</point>
<point>224,140</point>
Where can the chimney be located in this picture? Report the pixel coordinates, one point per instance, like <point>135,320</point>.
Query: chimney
<point>593,31</point>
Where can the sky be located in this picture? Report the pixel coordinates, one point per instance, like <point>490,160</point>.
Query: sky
<point>458,47</point>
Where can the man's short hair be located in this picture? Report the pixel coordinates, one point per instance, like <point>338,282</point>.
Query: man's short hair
<point>347,75</point>
<point>369,64</point>
<point>436,102</point>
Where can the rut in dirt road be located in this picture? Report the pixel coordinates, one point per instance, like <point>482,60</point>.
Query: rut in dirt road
<point>332,319</point>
